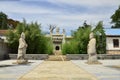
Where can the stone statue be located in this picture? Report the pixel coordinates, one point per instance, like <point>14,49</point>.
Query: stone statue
<point>91,50</point>
<point>57,30</point>
<point>63,31</point>
<point>22,50</point>
<point>63,41</point>
<point>51,28</point>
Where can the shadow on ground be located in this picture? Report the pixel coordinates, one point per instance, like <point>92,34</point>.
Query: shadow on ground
<point>114,67</point>
<point>11,65</point>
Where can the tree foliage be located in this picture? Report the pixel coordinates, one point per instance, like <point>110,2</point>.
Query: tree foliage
<point>3,21</point>
<point>100,38</point>
<point>6,23</point>
<point>37,42</point>
<point>78,45</point>
<point>70,48</point>
<point>12,23</point>
<point>116,18</point>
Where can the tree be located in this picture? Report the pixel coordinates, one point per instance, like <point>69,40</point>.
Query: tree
<point>12,23</point>
<point>82,37</point>
<point>37,42</point>
<point>100,38</point>
<point>6,23</point>
<point>78,45</point>
<point>3,21</point>
<point>70,48</point>
<point>116,18</point>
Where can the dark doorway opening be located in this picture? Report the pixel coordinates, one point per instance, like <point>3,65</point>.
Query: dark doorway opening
<point>57,48</point>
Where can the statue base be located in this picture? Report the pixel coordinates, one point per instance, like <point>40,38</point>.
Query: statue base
<point>21,62</point>
<point>93,59</point>
<point>94,62</point>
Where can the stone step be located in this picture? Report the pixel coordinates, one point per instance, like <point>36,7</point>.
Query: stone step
<point>57,53</point>
<point>57,58</point>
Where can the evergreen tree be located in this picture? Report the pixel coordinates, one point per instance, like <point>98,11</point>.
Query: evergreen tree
<point>82,37</point>
<point>78,45</point>
<point>37,42</point>
<point>3,21</point>
<point>12,23</point>
<point>116,18</point>
<point>100,38</point>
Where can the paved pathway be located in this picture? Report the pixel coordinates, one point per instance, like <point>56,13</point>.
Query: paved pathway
<point>58,70</point>
<point>9,71</point>
<point>109,70</point>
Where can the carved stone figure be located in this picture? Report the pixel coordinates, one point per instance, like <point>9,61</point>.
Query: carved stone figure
<point>22,50</point>
<point>57,30</point>
<point>51,28</point>
<point>63,41</point>
<point>63,31</point>
<point>92,50</point>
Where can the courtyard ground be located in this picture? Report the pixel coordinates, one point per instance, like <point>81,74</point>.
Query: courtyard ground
<point>9,71</point>
<point>108,70</point>
<point>60,70</point>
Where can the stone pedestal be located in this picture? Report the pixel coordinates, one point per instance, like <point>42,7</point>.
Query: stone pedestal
<point>93,60</point>
<point>21,62</point>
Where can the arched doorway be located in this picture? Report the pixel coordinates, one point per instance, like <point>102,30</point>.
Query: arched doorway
<point>57,48</point>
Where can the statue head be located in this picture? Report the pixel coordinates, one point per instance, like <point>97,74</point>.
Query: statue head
<point>91,35</point>
<point>23,35</point>
<point>63,31</point>
<point>57,30</point>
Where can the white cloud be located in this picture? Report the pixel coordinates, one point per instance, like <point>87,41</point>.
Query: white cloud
<point>16,7</point>
<point>62,18</point>
<point>88,2</point>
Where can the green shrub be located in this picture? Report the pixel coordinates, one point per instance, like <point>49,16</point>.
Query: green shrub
<point>78,45</point>
<point>37,42</point>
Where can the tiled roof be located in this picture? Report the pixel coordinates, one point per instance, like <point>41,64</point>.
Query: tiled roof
<point>3,32</point>
<point>112,32</point>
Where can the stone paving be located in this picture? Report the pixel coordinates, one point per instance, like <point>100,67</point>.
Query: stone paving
<point>108,70</point>
<point>9,71</point>
<point>58,70</point>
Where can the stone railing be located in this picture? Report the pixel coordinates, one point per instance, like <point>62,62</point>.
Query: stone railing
<point>68,56</point>
<point>31,56</point>
<point>85,56</point>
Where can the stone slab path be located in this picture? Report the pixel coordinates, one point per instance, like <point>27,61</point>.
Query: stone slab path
<point>108,70</point>
<point>58,70</point>
<point>9,71</point>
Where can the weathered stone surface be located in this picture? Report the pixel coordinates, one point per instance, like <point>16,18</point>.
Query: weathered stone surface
<point>91,50</point>
<point>21,50</point>
<point>21,62</point>
<point>58,70</point>
<point>22,47</point>
<point>31,56</point>
<point>57,58</point>
<point>85,56</point>
<point>76,56</point>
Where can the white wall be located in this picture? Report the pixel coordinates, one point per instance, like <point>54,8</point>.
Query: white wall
<point>109,43</point>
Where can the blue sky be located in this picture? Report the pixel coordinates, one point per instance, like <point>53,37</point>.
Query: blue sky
<point>66,14</point>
